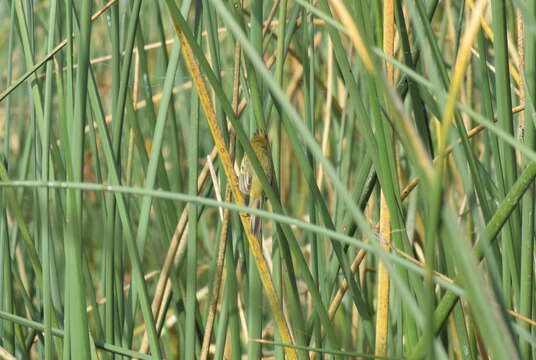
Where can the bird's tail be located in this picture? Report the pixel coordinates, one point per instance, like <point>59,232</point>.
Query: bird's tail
<point>256,221</point>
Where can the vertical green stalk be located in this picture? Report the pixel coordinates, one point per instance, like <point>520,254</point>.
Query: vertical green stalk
<point>190,340</point>
<point>527,296</point>
<point>44,192</point>
<point>111,257</point>
<point>255,293</point>
<point>7,329</point>
<point>220,334</point>
<point>308,56</point>
<point>232,294</point>
<point>507,155</point>
<point>69,83</point>
<point>73,241</point>
<point>276,149</point>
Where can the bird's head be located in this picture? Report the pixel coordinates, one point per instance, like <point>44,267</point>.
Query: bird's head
<point>260,139</point>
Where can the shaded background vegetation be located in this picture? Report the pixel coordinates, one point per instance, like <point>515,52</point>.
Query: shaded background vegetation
<point>400,220</point>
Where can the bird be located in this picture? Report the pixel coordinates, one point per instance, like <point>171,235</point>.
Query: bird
<point>248,181</point>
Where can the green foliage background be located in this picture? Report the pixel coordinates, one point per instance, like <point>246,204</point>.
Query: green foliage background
<point>104,145</point>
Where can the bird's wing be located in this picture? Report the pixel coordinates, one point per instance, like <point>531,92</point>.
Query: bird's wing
<point>245,178</point>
